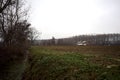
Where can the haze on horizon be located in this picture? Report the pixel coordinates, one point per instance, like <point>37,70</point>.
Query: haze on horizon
<point>64,18</point>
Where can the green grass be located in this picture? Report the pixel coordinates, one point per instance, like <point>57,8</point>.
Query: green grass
<point>72,63</point>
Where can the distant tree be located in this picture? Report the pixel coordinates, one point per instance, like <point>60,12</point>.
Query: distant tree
<point>33,35</point>
<point>53,41</point>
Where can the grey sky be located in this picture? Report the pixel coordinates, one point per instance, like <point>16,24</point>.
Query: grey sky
<point>64,18</point>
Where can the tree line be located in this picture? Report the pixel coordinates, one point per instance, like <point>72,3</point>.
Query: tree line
<point>98,39</point>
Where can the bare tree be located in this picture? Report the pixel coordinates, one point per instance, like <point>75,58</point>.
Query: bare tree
<point>14,31</point>
<point>14,28</point>
<point>4,4</point>
<point>34,35</point>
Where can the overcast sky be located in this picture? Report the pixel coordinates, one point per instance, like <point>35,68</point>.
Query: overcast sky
<point>64,18</point>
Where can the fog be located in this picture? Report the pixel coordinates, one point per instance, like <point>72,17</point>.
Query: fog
<point>64,18</point>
